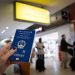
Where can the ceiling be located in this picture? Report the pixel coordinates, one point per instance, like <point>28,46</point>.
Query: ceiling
<point>52,5</point>
<point>6,13</point>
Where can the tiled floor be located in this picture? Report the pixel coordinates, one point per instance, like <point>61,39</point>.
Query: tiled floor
<point>52,68</point>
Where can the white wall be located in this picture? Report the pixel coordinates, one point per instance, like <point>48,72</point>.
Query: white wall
<point>65,29</point>
<point>7,19</point>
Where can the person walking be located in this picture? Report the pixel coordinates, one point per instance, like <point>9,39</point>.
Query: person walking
<point>40,55</point>
<point>64,51</point>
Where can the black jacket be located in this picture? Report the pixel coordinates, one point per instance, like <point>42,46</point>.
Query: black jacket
<point>74,45</point>
<point>64,45</point>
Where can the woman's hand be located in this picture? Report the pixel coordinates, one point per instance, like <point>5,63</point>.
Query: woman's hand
<point>5,53</point>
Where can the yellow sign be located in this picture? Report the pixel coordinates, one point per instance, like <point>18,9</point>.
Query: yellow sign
<point>31,13</point>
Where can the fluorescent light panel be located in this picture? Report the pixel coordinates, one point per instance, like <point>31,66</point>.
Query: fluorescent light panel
<point>30,13</point>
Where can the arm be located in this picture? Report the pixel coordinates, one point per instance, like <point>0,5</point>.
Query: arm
<point>68,44</point>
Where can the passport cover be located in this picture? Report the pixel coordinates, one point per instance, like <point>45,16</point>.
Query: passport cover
<point>23,41</point>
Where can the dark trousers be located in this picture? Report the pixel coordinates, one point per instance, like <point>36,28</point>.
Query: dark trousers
<point>41,57</point>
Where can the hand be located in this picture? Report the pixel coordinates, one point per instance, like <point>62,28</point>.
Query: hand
<point>5,53</point>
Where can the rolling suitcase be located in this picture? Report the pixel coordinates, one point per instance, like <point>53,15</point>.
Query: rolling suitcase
<point>72,62</point>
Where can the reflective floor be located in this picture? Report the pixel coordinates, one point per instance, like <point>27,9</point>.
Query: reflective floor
<point>52,68</point>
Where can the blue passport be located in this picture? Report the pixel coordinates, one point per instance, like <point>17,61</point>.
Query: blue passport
<point>23,41</point>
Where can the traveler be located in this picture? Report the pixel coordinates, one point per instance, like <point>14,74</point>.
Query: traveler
<point>40,54</point>
<point>64,51</point>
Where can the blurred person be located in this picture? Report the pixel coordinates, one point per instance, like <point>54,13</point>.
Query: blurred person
<point>5,53</point>
<point>74,47</point>
<point>40,54</point>
<point>64,50</point>
<point>72,62</point>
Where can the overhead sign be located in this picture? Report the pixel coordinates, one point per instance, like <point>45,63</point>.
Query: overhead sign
<point>25,12</point>
<point>23,41</point>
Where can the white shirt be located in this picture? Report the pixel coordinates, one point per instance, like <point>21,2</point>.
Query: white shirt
<point>40,48</point>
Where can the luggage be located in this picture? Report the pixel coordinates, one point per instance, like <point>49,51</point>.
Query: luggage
<point>72,62</point>
<point>60,56</point>
<point>40,64</point>
<point>70,51</point>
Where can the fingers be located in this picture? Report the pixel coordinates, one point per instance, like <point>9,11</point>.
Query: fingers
<point>12,51</point>
<point>8,54</point>
<point>8,45</point>
<point>5,49</point>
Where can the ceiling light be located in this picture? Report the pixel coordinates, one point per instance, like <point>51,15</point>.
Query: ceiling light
<point>7,27</point>
<point>38,29</point>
